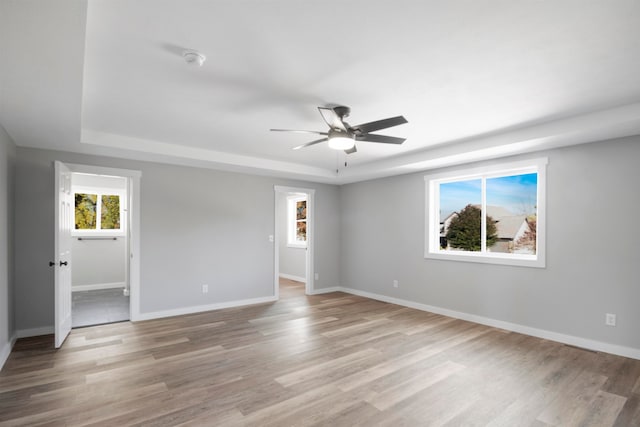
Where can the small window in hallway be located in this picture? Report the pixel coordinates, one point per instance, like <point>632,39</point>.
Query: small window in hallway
<point>97,211</point>
<point>297,221</point>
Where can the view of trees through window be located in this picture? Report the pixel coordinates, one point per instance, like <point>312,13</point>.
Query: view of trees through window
<point>464,230</point>
<point>510,213</point>
<point>301,221</point>
<point>110,214</point>
<point>86,218</point>
<point>91,215</point>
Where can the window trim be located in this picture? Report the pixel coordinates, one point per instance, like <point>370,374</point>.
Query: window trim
<point>292,220</point>
<point>432,214</point>
<point>99,191</point>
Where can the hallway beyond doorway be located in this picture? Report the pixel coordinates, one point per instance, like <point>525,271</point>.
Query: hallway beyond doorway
<point>97,307</point>
<point>291,288</point>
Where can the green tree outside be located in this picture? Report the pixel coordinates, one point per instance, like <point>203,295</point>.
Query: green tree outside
<point>85,211</point>
<point>110,215</point>
<point>464,230</point>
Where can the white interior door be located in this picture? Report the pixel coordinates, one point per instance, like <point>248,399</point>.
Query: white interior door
<point>63,224</point>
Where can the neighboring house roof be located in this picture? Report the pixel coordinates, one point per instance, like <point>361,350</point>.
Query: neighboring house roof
<point>444,225</point>
<point>496,212</point>
<point>508,225</point>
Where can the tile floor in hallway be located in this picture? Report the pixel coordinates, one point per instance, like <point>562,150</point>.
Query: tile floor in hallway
<point>98,307</point>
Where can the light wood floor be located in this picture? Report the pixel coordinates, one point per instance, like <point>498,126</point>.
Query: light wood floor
<point>333,359</point>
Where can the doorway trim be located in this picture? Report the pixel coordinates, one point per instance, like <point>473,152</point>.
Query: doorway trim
<point>133,193</point>
<point>282,191</point>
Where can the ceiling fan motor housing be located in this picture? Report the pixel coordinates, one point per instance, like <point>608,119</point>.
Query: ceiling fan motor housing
<point>342,111</point>
<point>337,133</point>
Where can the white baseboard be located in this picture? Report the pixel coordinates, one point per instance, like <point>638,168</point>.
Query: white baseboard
<point>292,277</point>
<point>34,332</point>
<point>586,343</point>
<point>96,286</point>
<point>201,308</point>
<point>326,290</point>
<point>5,351</point>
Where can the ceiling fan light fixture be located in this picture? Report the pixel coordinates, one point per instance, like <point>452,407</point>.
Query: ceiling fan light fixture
<point>341,141</point>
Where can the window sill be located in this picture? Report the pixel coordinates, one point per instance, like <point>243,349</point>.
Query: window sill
<point>490,258</point>
<point>296,246</point>
<point>102,233</point>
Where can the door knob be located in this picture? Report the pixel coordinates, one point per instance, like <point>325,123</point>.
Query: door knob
<point>51,263</point>
<point>63,263</point>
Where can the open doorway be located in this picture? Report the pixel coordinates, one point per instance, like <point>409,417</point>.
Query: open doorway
<point>99,247</point>
<point>293,241</point>
<point>128,206</point>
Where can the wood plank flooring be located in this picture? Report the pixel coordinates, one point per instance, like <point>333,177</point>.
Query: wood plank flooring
<point>326,360</point>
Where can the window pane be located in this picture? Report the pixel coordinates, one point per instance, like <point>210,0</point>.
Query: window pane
<point>512,205</point>
<point>110,215</point>
<point>301,231</point>
<point>85,211</point>
<point>460,215</point>
<point>301,210</point>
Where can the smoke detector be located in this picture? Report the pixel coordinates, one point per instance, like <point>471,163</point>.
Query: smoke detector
<point>193,57</point>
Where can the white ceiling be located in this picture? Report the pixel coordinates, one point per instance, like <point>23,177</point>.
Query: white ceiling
<point>475,79</point>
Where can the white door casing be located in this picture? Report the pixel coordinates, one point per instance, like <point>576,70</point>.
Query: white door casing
<point>133,227</point>
<point>63,224</point>
<point>310,193</point>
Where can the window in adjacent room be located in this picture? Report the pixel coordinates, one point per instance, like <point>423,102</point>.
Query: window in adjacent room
<point>297,221</point>
<point>492,215</point>
<point>97,211</point>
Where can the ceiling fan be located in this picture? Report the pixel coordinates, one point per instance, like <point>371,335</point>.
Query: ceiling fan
<point>343,136</point>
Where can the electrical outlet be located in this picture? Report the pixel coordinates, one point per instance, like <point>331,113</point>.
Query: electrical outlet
<point>205,289</point>
<point>317,276</point>
<point>610,319</point>
<point>395,283</point>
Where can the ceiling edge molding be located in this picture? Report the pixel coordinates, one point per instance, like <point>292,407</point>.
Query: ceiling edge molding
<point>598,126</point>
<point>124,146</point>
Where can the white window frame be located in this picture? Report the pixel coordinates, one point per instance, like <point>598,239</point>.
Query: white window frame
<point>292,220</point>
<point>432,213</point>
<point>101,192</point>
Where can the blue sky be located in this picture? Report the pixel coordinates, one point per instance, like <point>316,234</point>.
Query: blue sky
<point>515,193</point>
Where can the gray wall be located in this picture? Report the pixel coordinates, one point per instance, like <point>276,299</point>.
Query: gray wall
<point>98,261</point>
<point>593,249</point>
<point>292,260</point>
<point>7,162</point>
<point>195,230</point>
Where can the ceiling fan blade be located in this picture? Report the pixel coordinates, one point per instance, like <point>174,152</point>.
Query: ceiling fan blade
<point>332,118</point>
<point>315,132</point>
<point>317,141</point>
<point>370,137</point>
<point>380,124</point>
<point>351,150</point>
